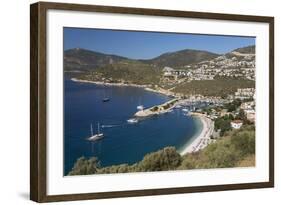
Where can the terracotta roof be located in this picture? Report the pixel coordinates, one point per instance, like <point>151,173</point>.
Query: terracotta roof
<point>237,121</point>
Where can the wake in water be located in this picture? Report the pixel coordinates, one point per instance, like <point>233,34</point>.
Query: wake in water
<point>129,121</point>
<point>109,126</point>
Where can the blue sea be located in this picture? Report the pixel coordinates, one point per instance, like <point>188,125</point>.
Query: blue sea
<point>123,142</point>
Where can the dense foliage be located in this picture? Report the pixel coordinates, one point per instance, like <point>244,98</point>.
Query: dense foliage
<point>236,148</point>
<point>229,151</point>
<point>128,72</point>
<point>223,124</point>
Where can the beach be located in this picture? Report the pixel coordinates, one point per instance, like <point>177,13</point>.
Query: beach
<point>203,138</point>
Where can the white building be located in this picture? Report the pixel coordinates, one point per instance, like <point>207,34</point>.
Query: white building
<point>236,124</point>
<point>167,71</point>
<point>250,115</point>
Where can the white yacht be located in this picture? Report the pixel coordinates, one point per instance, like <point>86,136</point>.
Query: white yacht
<point>140,107</point>
<point>132,120</point>
<point>95,137</point>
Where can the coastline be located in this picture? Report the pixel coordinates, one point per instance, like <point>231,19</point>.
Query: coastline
<point>202,139</point>
<point>108,84</point>
<point>146,87</point>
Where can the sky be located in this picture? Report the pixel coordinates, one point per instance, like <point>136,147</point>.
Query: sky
<point>146,45</point>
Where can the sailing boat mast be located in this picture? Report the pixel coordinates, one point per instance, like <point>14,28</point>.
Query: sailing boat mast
<point>92,129</point>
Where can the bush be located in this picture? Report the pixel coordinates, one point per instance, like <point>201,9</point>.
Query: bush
<point>85,167</point>
<point>165,159</point>
<point>219,155</point>
<point>244,142</point>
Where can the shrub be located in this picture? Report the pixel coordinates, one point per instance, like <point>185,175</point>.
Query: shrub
<point>85,167</point>
<point>165,159</point>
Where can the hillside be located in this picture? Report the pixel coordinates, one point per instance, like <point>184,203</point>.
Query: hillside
<point>220,87</point>
<point>126,71</point>
<point>204,73</point>
<point>84,60</point>
<point>248,49</point>
<point>181,58</point>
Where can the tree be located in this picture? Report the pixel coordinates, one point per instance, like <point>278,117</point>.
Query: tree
<point>223,123</point>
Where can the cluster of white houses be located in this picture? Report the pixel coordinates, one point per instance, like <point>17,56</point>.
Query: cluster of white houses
<point>220,66</point>
<point>249,110</point>
<point>244,93</point>
<point>171,74</point>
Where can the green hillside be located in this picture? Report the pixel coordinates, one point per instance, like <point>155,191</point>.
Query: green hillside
<point>127,71</point>
<point>219,87</point>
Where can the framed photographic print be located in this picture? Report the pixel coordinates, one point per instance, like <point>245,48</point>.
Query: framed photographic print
<point>134,102</point>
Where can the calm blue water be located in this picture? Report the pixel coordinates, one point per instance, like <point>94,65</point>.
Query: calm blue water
<point>123,142</point>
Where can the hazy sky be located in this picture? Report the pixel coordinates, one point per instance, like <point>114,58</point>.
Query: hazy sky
<point>144,45</point>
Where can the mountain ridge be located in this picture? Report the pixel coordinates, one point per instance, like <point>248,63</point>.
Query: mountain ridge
<point>86,60</point>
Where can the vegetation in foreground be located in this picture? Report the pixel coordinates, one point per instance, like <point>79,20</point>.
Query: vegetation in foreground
<point>235,149</point>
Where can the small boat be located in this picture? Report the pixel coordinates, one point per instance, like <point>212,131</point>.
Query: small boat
<point>132,120</point>
<point>140,107</point>
<point>185,110</point>
<point>178,106</point>
<point>105,99</point>
<point>97,136</point>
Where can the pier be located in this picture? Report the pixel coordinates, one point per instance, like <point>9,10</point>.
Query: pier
<point>157,109</point>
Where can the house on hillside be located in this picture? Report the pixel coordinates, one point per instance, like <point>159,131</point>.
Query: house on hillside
<point>236,124</point>
<point>250,115</point>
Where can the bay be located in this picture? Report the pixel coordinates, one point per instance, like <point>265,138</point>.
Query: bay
<point>123,142</point>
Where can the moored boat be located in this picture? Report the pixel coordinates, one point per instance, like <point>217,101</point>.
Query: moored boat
<point>105,99</point>
<point>132,120</point>
<point>95,137</point>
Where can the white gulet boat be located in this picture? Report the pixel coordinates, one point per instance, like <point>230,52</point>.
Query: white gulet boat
<point>97,136</point>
